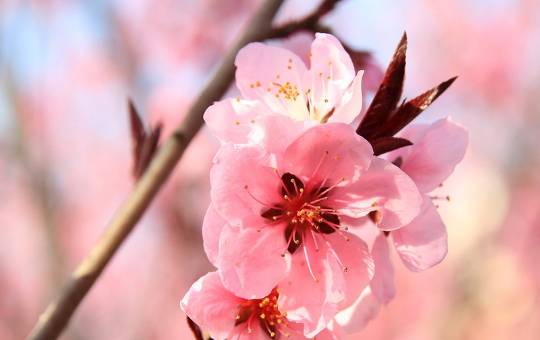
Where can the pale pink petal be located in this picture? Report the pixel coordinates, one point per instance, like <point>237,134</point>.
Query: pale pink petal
<point>382,284</point>
<point>232,120</point>
<point>423,243</point>
<point>383,187</point>
<point>295,331</point>
<point>251,262</point>
<point>350,104</point>
<point>314,288</point>
<point>355,318</point>
<point>331,153</point>
<point>244,332</point>
<point>333,332</point>
<point>273,75</point>
<point>331,73</point>
<point>243,183</point>
<point>340,270</point>
<point>211,230</point>
<point>361,227</point>
<point>434,156</point>
<point>211,306</point>
<point>300,44</point>
<point>352,256</point>
<point>274,133</point>
<point>413,133</point>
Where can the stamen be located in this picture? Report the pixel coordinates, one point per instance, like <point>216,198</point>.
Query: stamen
<point>441,198</point>
<point>255,198</point>
<point>318,200</point>
<point>296,187</point>
<point>333,252</point>
<point>319,164</point>
<point>309,264</point>
<point>330,187</point>
<point>313,236</point>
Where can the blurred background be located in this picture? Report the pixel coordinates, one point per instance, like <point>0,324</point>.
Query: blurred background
<point>68,66</point>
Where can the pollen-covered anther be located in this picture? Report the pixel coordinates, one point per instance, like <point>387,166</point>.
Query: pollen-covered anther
<point>288,91</point>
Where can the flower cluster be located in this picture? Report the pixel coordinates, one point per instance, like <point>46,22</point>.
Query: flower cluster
<point>302,210</point>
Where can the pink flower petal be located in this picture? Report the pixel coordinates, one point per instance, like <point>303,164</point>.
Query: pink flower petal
<point>244,332</point>
<point>314,291</point>
<point>355,262</point>
<point>242,183</point>
<point>382,284</point>
<point>331,73</point>
<point>273,75</point>
<point>274,133</point>
<point>435,154</point>
<point>384,185</point>
<point>211,306</point>
<point>333,332</point>
<point>211,230</point>
<point>331,152</point>
<point>355,318</point>
<point>423,243</point>
<point>350,104</point>
<point>231,120</point>
<point>251,262</point>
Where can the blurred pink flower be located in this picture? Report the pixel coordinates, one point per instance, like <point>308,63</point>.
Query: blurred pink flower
<point>266,206</point>
<point>422,243</point>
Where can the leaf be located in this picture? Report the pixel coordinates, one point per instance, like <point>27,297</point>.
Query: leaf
<point>145,143</point>
<point>148,149</point>
<point>386,144</point>
<point>197,333</point>
<point>137,130</point>
<point>388,94</point>
<point>406,112</point>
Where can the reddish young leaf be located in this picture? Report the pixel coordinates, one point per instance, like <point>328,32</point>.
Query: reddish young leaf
<point>388,94</point>
<point>137,130</point>
<point>144,143</point>
<point>197,333</point>
<point>386,144</point>
<point>406,112</point>
<point>148,149</point>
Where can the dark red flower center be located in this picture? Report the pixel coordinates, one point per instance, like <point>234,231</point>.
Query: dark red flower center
<point>303,210</point>
<point>266,313</point>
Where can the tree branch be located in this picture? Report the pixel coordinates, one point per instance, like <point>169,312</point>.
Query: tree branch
<point>308,23</point>
<point>57,315</point>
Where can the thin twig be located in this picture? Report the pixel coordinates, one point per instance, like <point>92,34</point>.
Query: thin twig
<point>308,23</point>
<point>57,315</point>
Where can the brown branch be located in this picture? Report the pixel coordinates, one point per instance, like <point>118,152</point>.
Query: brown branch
<point>308,23</point>
<point>57,315</point>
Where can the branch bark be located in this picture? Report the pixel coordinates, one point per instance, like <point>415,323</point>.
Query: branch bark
<point>310,22</point>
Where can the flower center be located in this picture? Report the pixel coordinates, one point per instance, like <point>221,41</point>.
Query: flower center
<point>302,210</point>
<point>266,313</point>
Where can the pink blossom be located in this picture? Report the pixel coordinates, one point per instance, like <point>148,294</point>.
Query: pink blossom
<point>275,81</point>
<point>437,149</point>
<point>285,217</point>
<point>422,243</point>
<point>225,316</point>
